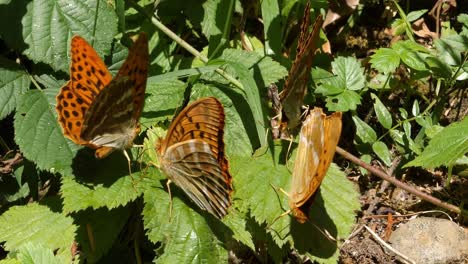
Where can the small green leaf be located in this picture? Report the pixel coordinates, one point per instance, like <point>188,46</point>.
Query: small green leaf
<point>367,159</point>
<point>445,148</point>
<point>407,128</point>
<point>398,26</point>
<point>382,152</point>
<point>348,100</point>
<point>364,132</point>
<point>412,54</point>
<point>397,136</point>
<point>403,113</point>
<point>385,60</point>
<point>415,108</point>
<point>414,15</point>
<point>383,115</point>
<point>34,223</point>
<point>348,75</point>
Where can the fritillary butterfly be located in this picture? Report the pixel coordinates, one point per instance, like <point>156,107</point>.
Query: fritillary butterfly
<point>192,155</point>
<point>97,110</point>
<point>290,100</point>
<point>318,139</point>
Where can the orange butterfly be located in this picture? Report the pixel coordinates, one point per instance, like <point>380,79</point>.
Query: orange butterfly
<point>317,143</point>
<point>192,155</point>
<point>289,102</point>
<point>97,110</point>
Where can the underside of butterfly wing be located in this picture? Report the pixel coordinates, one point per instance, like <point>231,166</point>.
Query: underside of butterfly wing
<point>88,76</point>
<point>295,87</point>
<point>113,129</point>
<point>194,142</point>
<point>317,143</point>
<point>192,166</point>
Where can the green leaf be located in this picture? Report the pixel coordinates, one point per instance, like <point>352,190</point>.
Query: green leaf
<point>398,26</point>
<point>415,109</point>
<point>348,76</point>
<point>444,148</point>
<point>271,26</point>
<point>412,54</point>
<point>37,224</point>
<point>364,132</point>
<point>450,48</point>
<point>187,236</point>
<point>236,110</point>
<point>414,15</point>
<point>13,83</point>
<point>39,135</point>
<point>101,183</point>
<point>343,102</point>
<point>49,25</point>
<point>250,88</point>
<point>382,152</point>
<point>385,60</point>
<point>31,253</point>
<point>382,113</point>
<point>165,96</point>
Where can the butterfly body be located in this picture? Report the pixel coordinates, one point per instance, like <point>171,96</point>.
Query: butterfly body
<point>192,155</point>
<point>97,110</point>
<point>318,139</point>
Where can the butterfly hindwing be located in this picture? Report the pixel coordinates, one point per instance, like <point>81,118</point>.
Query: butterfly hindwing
<point>192,155</point>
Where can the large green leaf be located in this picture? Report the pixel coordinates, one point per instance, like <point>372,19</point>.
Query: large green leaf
<point>34,223</point>
<point>38,133</point>
<point>101,183</point>
<point>48,26</point>
<point>445,147</point>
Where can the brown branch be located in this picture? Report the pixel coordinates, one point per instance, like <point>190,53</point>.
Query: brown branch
<point>398,183</point>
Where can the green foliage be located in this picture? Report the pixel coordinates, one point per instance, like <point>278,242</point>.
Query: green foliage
<point>445,148</point>
<point>61,195</point>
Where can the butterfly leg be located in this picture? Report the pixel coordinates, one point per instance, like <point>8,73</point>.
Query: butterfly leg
<point>170,198</point>
<point>129,168</point>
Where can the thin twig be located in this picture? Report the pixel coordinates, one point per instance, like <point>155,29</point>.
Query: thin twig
<point>399,184</point>
<point>387,246</point>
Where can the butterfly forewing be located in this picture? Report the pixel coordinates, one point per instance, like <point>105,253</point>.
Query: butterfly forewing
<point>295,88</point>
<point>135,68</point>
<point>318,139</point>
<point>192,155</point>
<point>88,76</point>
